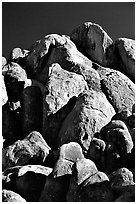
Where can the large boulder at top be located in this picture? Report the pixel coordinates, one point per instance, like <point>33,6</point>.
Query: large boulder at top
<point>94,43</point>
<point>87,184</point>
<point>68,154</point>
<point>119,145</point>
<point>54,48</point>
<point>62,85</point>
<point>31,150</point>
<point>4,92</point>
<point>126,51</point>
<point>10,196</point>
<point>91,112</point>
<point>118,88</point>
<point>28,180</point>
<point>15,78</point>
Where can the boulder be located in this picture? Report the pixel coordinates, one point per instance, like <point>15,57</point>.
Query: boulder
<point>15,78</point>
<point>87,184</point>
<point>119,89</point>
<point>121,181</point>
<point>96,152</point>
<point>91,112</point>
<point>31,150</point>
<point>126,51</point>
<point>54,48</point>
<point>28,180</point>
<point>10,196</point>
<point>119,145</point>
<point>94,43</point>
<point>62,85</point>
<point>4,92</point>
<point>68,154</point>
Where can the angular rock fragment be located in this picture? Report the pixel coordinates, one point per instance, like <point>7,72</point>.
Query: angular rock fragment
<point>10,196</point>
<point>94,43</point>
<point>31,150</point>
<point>91,112</point>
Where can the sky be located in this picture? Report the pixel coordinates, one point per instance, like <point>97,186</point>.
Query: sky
<point>24,23</point>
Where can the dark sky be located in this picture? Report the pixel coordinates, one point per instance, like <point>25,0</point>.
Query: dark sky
<point>24,23</point>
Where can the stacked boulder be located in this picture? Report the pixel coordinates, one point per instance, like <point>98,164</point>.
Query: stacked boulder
<point>68,119</point>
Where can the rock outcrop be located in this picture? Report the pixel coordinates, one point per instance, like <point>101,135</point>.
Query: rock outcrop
<point>68,119</point>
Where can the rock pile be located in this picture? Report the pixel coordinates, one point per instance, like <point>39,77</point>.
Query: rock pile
<point>68,119</point>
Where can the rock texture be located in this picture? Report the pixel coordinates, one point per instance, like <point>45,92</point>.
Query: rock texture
<point>91,112</point>
<point>93,41</point>
<point>68,119</point>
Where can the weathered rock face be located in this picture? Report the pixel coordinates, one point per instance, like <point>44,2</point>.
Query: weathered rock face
<point>126,50</point>
<point>93,42</point>
<point>91,112</point>
<point>33,150</point>
<point>59,49</point>
<point>28,180</point>
<point>10,196</point>
<point>119,89</point>
<point>62,85</point>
